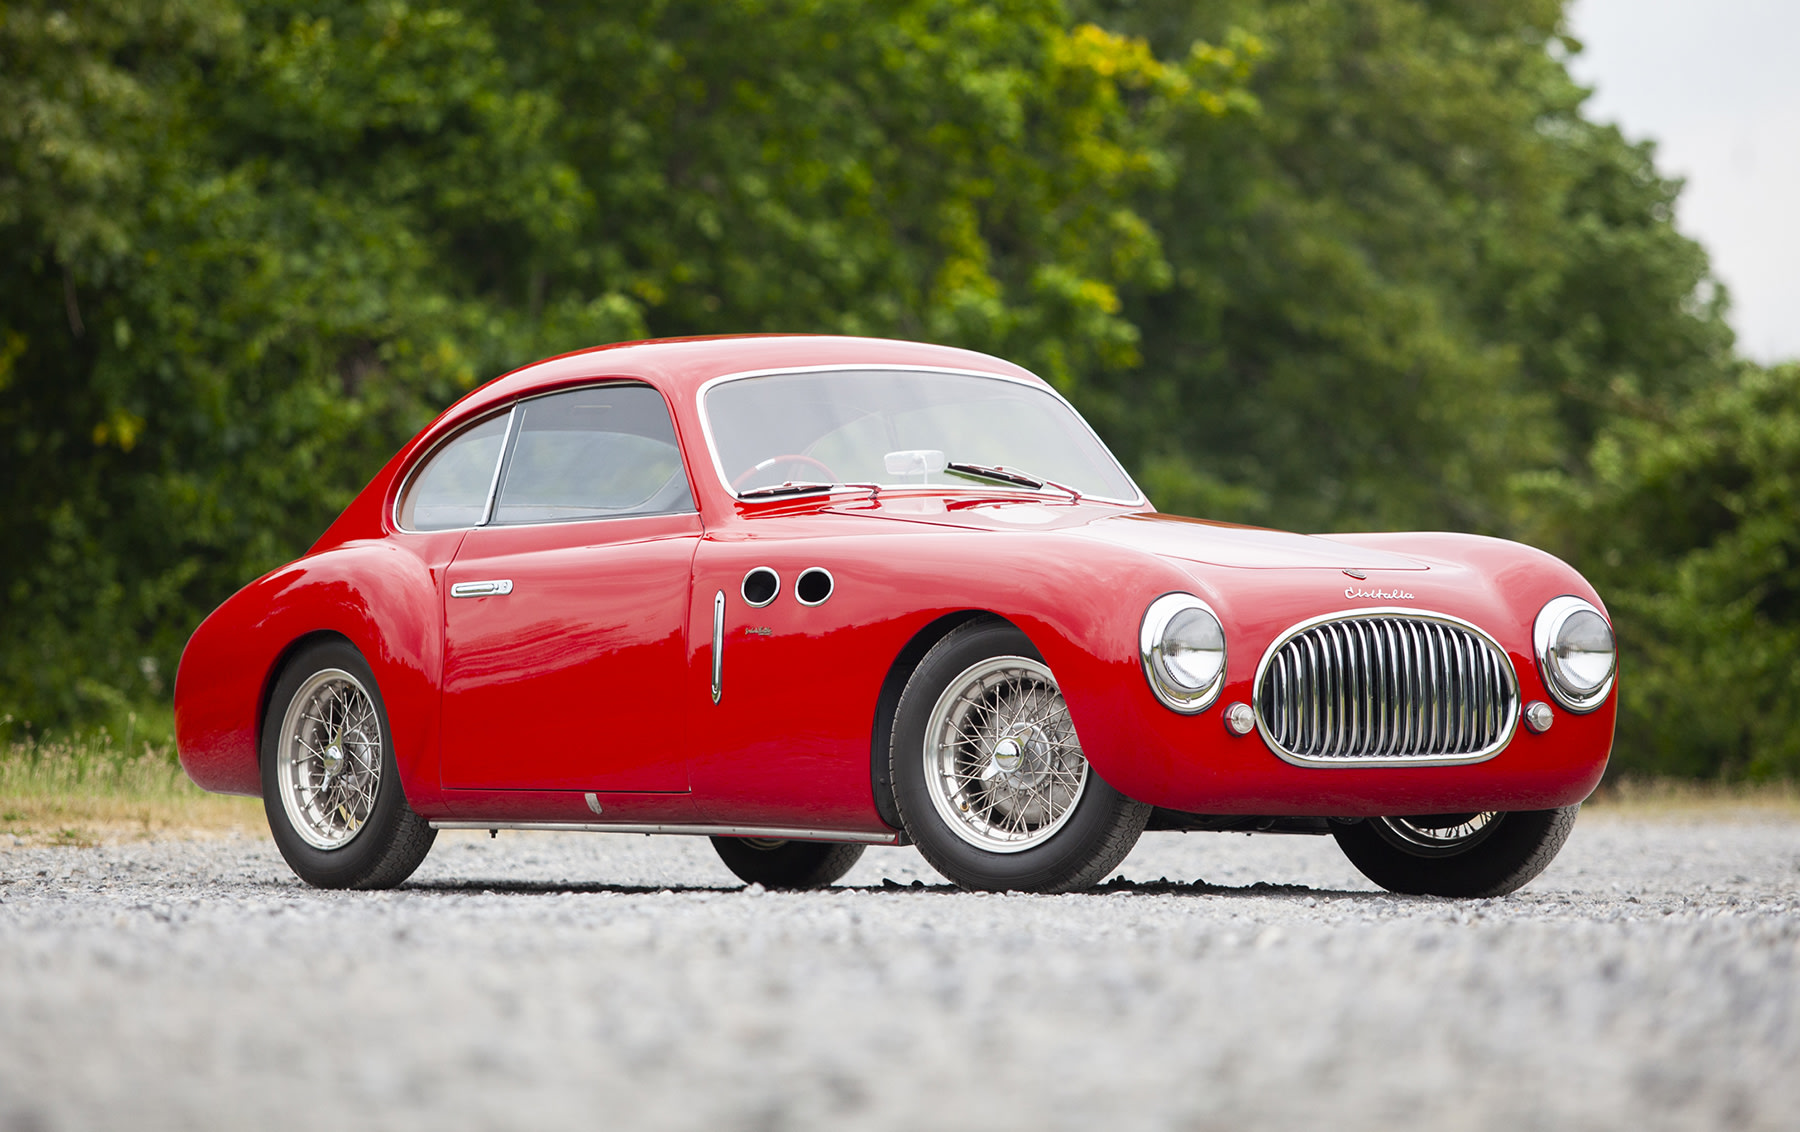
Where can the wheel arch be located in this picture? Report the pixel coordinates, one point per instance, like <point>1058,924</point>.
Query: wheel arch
<point>887,702</point>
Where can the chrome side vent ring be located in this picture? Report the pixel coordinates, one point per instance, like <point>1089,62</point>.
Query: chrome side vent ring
<point>1386,687</point>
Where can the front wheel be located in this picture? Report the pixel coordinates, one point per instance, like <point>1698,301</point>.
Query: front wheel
<point>1476,854</point>
<point>330,785</point>
<point>786,864</point>
<point>989,776</point>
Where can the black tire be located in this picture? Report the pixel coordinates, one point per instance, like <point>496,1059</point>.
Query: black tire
<point>1499,857</point>
<point>1082,838</point>
<point>376,849</point>
<point>787,864</point>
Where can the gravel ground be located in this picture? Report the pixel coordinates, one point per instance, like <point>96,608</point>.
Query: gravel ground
<point>1650,979</point>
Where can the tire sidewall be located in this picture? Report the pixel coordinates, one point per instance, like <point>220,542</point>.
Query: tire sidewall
<point>349,864</point>
<point>1516,851</point>
<point>1039,868</point>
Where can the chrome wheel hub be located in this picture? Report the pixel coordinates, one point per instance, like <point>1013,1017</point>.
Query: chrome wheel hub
<point>1002,763</point>
<point>328,761</point>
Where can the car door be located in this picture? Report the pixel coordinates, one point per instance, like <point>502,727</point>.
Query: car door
<point>565,613</point>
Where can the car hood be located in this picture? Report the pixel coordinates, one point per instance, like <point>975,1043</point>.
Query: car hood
<point>1171,536</point>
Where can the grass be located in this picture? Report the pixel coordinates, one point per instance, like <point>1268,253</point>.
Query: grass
<point>91,790</point>
<point>1678,799</point>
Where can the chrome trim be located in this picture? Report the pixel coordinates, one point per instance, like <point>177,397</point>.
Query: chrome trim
<point>1549,623</point>
<point>773,573</point>
<point>506,443</point>
<point>712,446</point>
<point>777,833</point>
<point>830,585</point>
<point>498,587</point>
<point>1413,687</point>
<point>1174,695</point>
<point>718,673</point>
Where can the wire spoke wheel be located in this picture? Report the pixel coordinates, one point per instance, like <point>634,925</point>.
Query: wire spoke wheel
<point>328,759</point>
<point>1003,767</point>
<point>1438,835</point>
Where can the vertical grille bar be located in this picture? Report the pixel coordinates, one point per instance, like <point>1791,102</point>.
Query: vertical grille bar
<point>1387,687</point>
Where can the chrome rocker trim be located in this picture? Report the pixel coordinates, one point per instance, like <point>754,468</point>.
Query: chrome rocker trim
<point>774,833</point>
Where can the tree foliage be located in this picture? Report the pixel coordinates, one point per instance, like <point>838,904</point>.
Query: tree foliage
<point>1327,265</point>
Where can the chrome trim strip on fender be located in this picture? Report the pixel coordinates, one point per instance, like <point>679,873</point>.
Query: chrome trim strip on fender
<point>718,683</point>
<point>498,587</point>
<point>779,833</point>
<point>1405,689</point>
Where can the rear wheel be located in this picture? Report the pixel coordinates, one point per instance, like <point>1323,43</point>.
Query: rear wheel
<point>1474,854</point>
<point>330,785</point>
<point>786,864</point>
<point>989,776</point>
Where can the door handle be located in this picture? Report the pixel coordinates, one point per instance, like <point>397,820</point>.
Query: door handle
<point>498,587</point>
<point>718,645</point>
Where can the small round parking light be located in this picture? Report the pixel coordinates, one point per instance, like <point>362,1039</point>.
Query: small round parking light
<point>1538,716</point>
<point>1240,719</point>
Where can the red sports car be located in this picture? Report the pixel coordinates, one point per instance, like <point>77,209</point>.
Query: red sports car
<point>809,594</point>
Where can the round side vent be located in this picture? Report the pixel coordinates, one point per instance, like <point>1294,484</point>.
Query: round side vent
<point>813,586</point>
<point>760,586</point>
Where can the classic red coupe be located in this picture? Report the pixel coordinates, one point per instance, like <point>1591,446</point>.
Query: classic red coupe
<point>809,594</point>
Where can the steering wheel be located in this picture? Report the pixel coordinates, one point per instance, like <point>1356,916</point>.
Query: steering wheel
<point>777,461</point>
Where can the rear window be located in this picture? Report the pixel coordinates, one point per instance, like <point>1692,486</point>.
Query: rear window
<point>451,489</point>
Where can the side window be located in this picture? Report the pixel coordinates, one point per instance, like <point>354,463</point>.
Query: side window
<point>593,453</point>
<point>451,490</point>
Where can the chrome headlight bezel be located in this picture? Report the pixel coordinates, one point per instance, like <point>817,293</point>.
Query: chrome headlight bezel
<point>1170,688</point>
<point>1545,634</point>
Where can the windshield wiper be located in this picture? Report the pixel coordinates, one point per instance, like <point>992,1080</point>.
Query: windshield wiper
<point>791,487</point>
<point>805,487</point>
<point>1002,474</point>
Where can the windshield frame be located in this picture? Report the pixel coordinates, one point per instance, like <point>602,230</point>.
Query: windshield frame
<point>712,447</point>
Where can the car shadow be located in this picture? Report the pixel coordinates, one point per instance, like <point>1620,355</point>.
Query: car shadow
<point>1115,887</point>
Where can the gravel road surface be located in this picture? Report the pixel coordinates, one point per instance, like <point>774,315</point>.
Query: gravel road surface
<point>1650,979</point>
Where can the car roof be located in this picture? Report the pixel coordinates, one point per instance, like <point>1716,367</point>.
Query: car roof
<point>680,366</point>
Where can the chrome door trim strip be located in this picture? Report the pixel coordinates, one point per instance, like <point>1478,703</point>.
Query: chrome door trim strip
<point>779,833</point>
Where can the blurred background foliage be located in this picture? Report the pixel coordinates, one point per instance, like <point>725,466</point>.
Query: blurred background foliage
<point>1324,265</point>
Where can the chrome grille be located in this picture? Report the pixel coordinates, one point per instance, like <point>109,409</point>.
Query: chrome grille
<point>1361,688</point>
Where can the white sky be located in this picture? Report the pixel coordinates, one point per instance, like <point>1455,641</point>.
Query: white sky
<point>1716,84</point>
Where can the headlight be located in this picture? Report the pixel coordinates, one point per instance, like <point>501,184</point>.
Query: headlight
<point>1182,646</point>
<point>1576,654</point>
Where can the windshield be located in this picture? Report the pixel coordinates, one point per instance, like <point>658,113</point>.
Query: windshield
<point>900,429</point>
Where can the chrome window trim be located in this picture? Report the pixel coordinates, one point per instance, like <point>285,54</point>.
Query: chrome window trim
<point>506,442</point>
<point>1543,635</point>
<point>512,410</point>
<point>712,446</point>
<point>1509,725</point>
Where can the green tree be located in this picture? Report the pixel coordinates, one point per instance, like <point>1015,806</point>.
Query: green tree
<point>1692,526</point>
<point>246,249</point>
<point>1418,272</point>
